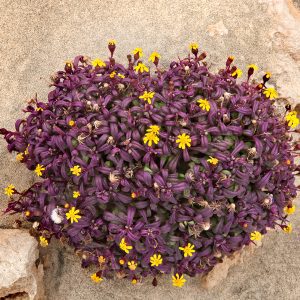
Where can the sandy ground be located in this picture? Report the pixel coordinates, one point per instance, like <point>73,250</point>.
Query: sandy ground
<point>37,37</point>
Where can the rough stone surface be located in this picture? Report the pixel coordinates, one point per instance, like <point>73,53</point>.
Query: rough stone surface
<point>220,271</point>
<point>20,277</point>
<point>36,38</point>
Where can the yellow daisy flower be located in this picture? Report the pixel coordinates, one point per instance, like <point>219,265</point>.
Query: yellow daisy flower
<point>213,160</point>
<point>204,104</point>
<point>178,280</point>
<point>255,236</point>
<point>153,129</point>
<point>26,152</point>
<point>238,73</point>
<point>268,75</point>
<point>288,228</point>
<point>121,75</point>
<point>133,195</point>
<point>101,259</point>
<point>73,215</point>
<point>71,123</point>
<point>138,51</point>
<point>43,242</point>
<point>9,190</point>
<point>147,96</point>
<point>96,278</point>
<point>188,250</point>
<point>112,42</point>
<point>76,194</point>
<point>292,119</point>
<point>150,138</point>
<point>270,93</point>
<point>112,74</point>
<point>76,170</point>
<point>154,56</point>
<point>253,66</point>
<point>184,140</point>
<point>194,46</point>
<point>289,210</point>
<point>156,260</point>
<point>132,265</point>
<point>98,63</point>
<point>20,157</point>
<point>39,170</point>
<point>123,246</point>
<point>141,68</point>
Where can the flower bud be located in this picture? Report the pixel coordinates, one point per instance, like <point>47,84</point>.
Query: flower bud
<point>229,61</point>
<point>112,47</point>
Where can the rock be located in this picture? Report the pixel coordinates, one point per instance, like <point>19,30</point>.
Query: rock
<point>220,271</point>
<point>20,278</point>
<point>217,29</point>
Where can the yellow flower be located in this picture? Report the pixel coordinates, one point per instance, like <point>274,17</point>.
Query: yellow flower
<point>150,138</point>
<point>194,46</point>
<point>19,157</point>
<point>238,73</point>
<point>213,160</point>
<point>112,42</point>
<point>69,63</point>
<point>268,75</point>
<point>288,228</point>
<point>38,109</point>
<point>76,194</point>
<point>255,236</point>
<point>133,195</point>
<point>98,63</point>
<point>121,261</point>
<point>76,170</point>
<point>293,123</point>
<point>96,278</point>
<point>9,190</point>
<point>132,265</point>
<point>141,68</point>
<point>124,246</point>
<point>71,123</point>
<point>156,260</point>
<point>253,66</point>
<point>138,51</point>
<point>101,259</point>
<point>291,115</point>
<point>39,170</point>
<point>204,104</point>
<point>112,74</point>
<point>121,75</point>
<point>270,93</point>
<point>43,241</point>
<point>153,129</point>
<point>73,215</point>
<point>134,281</point>
<point>289,210</point>
<point>154,55</point>
<point>292,119</point>
<point>26,152</point>
<point>188,250</point>
<point>178,280</point>
<point>183,140</point>
<point>147,96</point>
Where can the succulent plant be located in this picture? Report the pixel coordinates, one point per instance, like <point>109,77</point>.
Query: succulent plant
<point>146,172</point>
